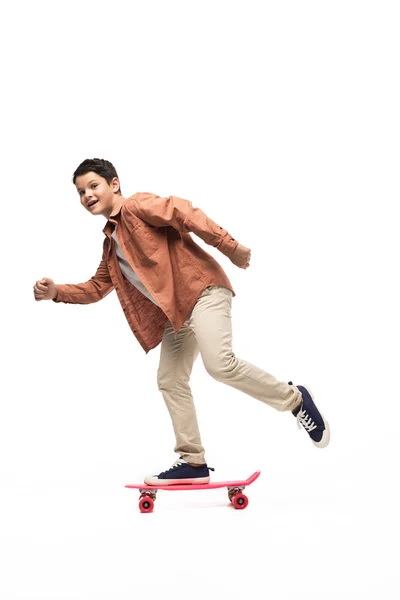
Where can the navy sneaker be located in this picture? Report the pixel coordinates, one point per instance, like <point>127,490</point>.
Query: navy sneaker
<point>311,419</point>
<point>180,473</point>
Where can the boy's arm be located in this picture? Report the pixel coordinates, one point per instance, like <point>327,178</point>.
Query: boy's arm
<point>93,290</point>
<point>180,214</point>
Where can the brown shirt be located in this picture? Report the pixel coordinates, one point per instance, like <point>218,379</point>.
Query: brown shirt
<point>153,233</point>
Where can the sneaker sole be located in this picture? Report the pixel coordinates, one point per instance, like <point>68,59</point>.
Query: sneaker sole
<point>156,481</point>
<point>326,436</point>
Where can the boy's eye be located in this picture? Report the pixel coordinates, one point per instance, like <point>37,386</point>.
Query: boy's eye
<point>93,185</point>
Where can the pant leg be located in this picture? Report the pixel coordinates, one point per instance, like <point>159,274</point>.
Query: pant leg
<point>211,323</point>
<point>177,356</point>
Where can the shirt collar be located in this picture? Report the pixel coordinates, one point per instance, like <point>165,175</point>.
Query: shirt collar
<point>109,227</point>
<point>113,221</point>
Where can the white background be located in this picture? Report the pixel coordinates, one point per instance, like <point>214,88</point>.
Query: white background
<point>280,120</point>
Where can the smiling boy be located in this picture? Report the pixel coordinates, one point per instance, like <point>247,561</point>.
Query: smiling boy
<point>174,293</point>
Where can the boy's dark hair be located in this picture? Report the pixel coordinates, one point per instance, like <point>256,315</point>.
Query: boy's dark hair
<point>100,166</point>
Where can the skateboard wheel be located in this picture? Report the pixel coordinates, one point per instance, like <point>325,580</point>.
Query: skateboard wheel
<point>146,504</point>
<point>240,501</point>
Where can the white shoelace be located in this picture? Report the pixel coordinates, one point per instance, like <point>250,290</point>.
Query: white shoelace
<point>305,420</point>
<point>176,463</point>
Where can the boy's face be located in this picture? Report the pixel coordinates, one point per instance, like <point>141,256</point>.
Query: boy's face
<point>96,195</point>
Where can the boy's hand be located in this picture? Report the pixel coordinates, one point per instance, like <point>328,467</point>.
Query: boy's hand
<point>241,256</point>
<point>44,289</point>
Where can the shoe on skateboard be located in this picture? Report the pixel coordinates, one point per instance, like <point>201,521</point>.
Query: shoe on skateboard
<point>180,472</point>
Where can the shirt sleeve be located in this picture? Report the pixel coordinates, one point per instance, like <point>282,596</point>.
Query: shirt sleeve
<point>93,290</point>
<point>181,215</point>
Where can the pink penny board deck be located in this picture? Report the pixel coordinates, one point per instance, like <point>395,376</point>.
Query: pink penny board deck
<point>196,486</point>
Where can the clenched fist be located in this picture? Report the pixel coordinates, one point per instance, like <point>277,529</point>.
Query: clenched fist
<point>241,256</point>
<point>44,289</point>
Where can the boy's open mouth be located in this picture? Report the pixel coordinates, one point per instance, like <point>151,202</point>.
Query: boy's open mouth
<point>92,203</point>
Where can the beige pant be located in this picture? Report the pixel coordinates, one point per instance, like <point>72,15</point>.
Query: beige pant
<point>208,330</point>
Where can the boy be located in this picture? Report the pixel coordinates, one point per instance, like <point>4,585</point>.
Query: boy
<point>174,292</point>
